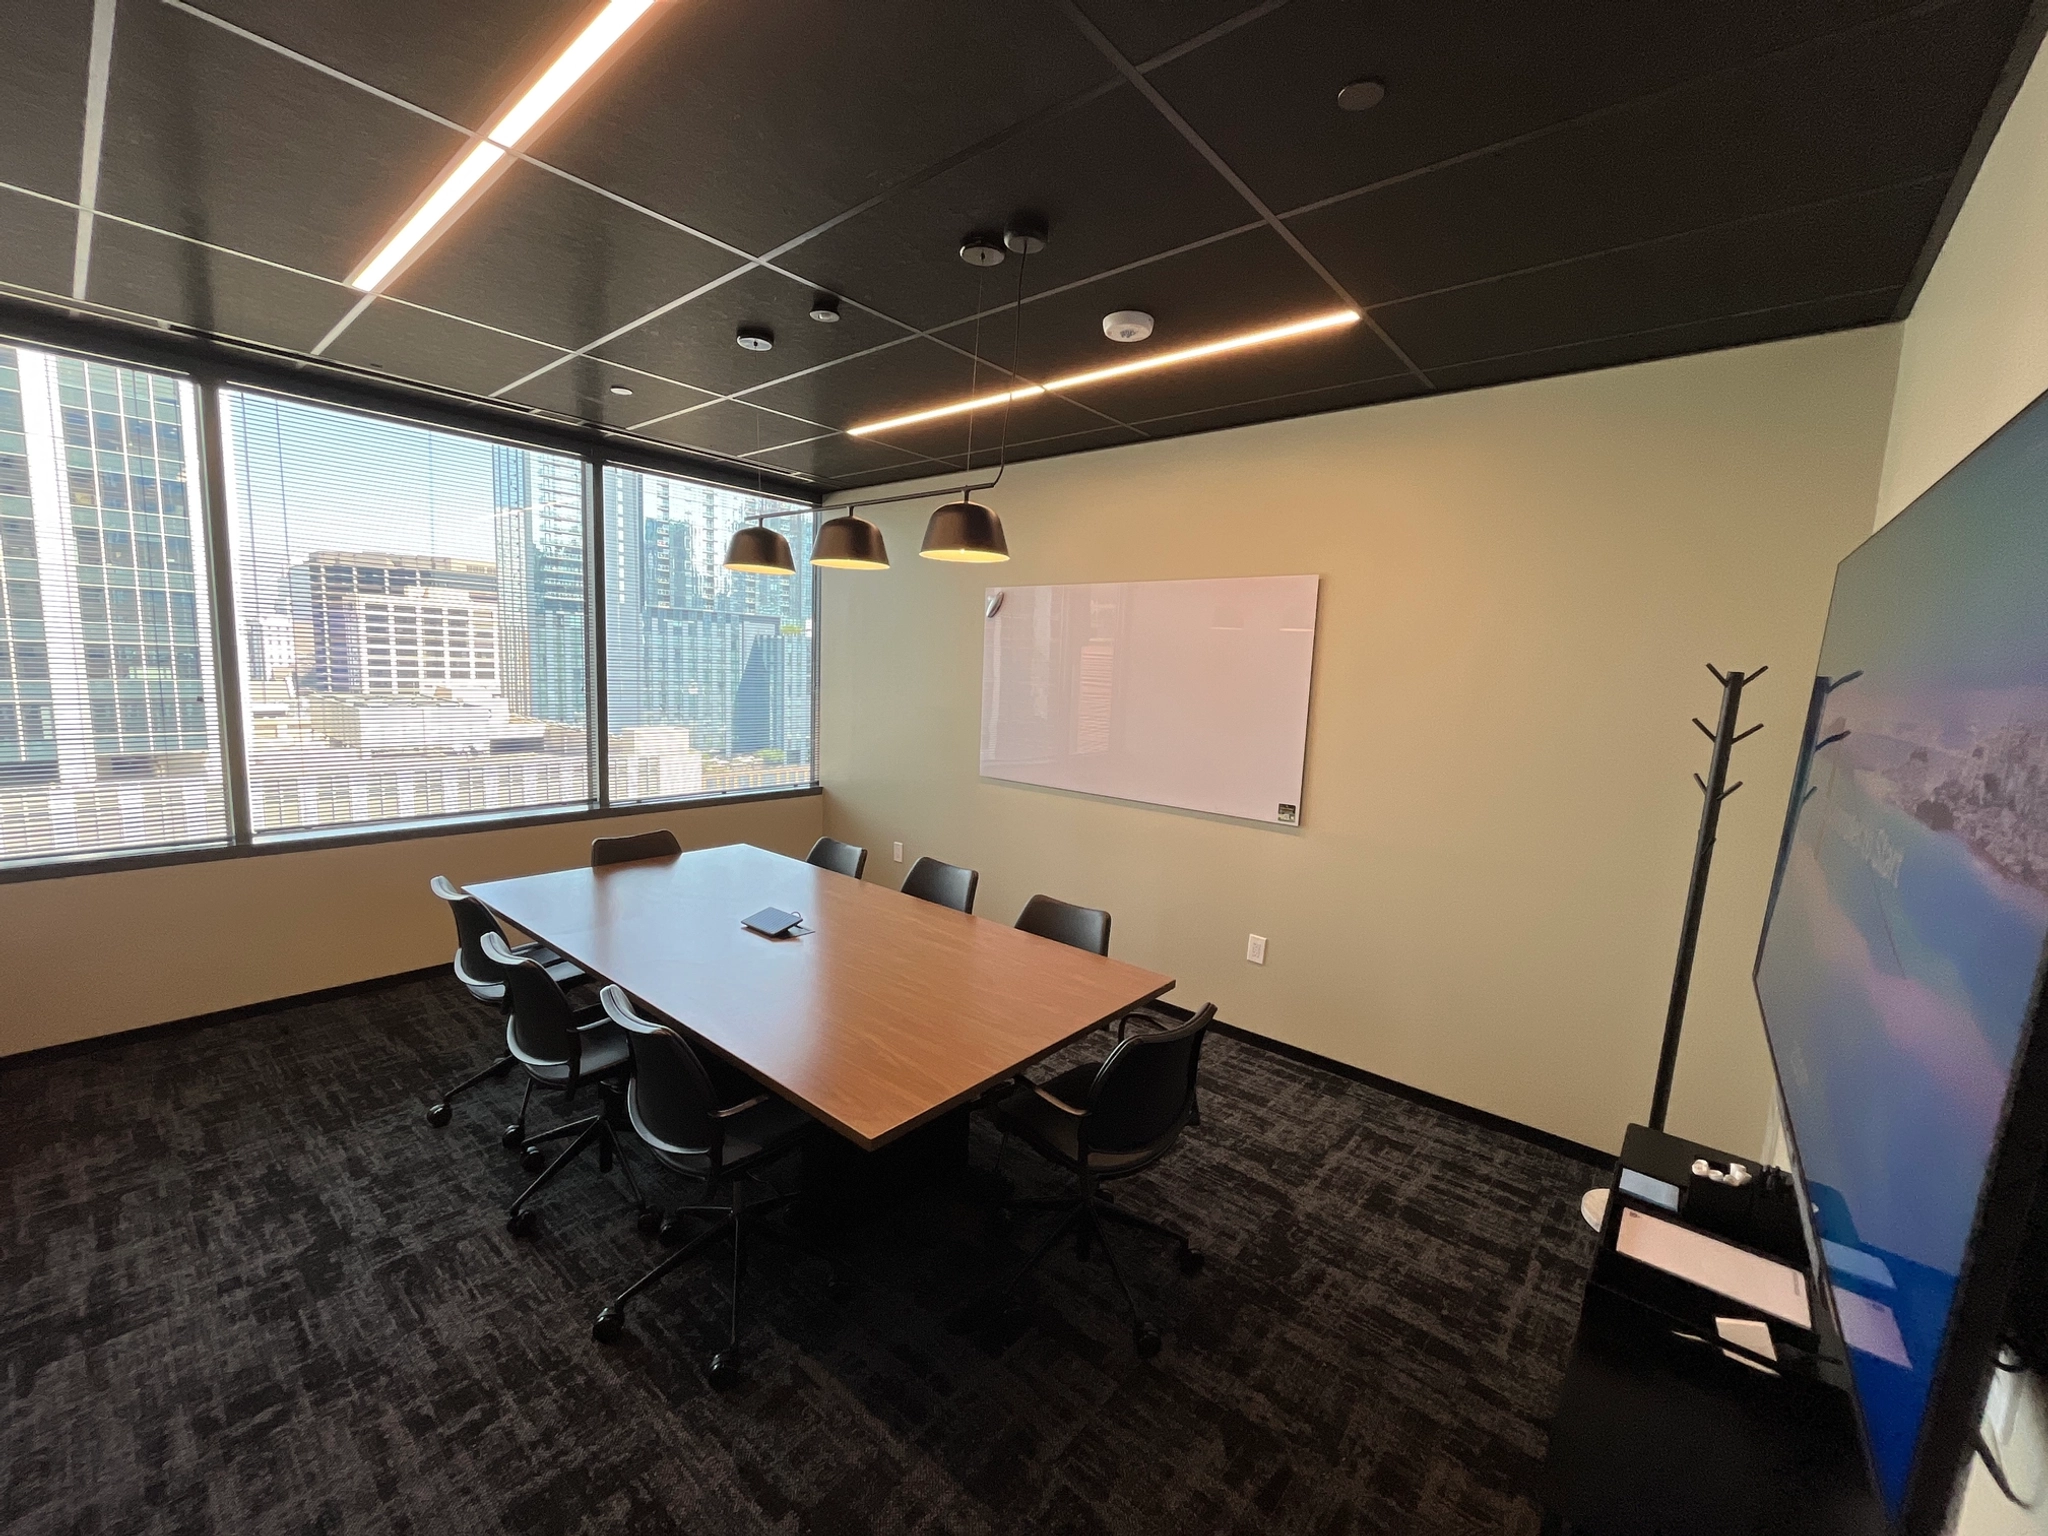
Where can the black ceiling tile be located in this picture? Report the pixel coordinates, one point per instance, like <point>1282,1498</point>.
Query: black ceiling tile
<point>210,136</point>
<point>1246,283</point>
<point>1893,103</point>
<point>1675,341</point>
<point>868,478</point>
<point>758,122</point>
<point>911,375</point>
<point>1115,183</point>
<point>436,349</point>
<point>553,260</point>
<point>834,458</point>
<point>1844,247</point>
<point>727,428</point>
<point>211,291</point>
<point>434,55</point>
<point>1460,74</point>
<point>42,96</point>
<point>1328,397</point>
<point>36,240</point>
<point>698,341</point>
<point>1144,29</point>
<point>582,387</point>
<point>1051,445</point>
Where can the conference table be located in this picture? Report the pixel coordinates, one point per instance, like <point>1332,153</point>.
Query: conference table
<point>883,1019</point>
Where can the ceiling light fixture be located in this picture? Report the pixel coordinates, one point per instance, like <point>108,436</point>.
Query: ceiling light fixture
<point>756,338</point>
<point>1362,95</point>
<point>622,389</point>
<point>850,543</point>
<point>529,110</point>
<point>1259,338</point>
<point>825,309</point>
<point>759,550</point>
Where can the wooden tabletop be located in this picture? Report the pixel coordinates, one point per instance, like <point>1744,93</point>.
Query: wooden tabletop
<point>890,1012</point>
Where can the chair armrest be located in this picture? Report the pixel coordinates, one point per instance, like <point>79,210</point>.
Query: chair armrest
<point>590,1017</point>
<point>1057,1103</point>
<point>739,1109</point>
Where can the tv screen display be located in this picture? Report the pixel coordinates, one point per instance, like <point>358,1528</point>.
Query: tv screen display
<point>1899,963</point>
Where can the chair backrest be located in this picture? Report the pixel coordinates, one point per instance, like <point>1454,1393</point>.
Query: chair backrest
<point>1064,923</point>
<point>830,853</point>
<point>947,884</point>
<point>475,969</point>
<point>670,1099</point>
<point>1145,1089</point>
<point>658,844</point>
<point>541,1028</point>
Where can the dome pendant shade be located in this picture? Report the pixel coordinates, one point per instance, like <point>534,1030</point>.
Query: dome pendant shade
<point>965,530</point>
<point>850,543</point>
<point>760,550</point>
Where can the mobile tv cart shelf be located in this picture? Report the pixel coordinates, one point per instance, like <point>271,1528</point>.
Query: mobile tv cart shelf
<point>1661,1429</point>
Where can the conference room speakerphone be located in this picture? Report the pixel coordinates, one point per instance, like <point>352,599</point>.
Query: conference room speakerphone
<point>773,922</point>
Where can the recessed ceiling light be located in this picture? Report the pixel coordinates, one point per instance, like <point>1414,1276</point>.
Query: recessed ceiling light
<point>621,389</point>
<point>825,309</point>
<point>756,338</point>
<point>1360,95</point>
<point>1308,327</point>
<point>552,89</point>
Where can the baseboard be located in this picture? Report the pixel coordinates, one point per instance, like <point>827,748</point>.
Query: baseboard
<point>65,1049</point>
<point>1563,1145</point>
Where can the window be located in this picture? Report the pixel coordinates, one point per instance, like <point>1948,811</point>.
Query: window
<point>708,671</point>
<point>109,721</point>
<point>412,616</point>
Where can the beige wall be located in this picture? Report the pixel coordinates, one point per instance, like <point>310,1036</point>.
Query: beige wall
<point>93,954</point>
<point>1520,588</point>
<point>1974,353</point>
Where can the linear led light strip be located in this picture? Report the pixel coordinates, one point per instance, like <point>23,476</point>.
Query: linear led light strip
<point>513,126</point>
<point>1307,327</point>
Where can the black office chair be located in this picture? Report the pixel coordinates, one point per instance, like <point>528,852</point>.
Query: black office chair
<point>674,1108</point>
<point>658,844</point>
<point>562,1047</point>
<point>1064,923</point>
<point>1101,1122</point>
<point>946,884</point>
<point>486,983</point>
<point>845,858</point>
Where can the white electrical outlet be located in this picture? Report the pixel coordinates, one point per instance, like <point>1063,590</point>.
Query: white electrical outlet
<point>1255,949</point>
<point>899,851</point>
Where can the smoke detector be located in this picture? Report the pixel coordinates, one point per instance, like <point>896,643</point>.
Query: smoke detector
<point>1127,325</point>
<point>756,338</point>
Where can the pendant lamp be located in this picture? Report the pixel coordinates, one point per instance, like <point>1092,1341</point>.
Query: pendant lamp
<point>850,543</point>
<point>965,531</point>
<point>760,550</point>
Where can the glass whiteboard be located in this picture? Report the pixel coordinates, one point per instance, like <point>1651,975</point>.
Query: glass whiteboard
<point>1192,694</point>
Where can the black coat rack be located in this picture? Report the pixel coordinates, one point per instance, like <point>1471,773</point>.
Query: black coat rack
<point>1715,788</point>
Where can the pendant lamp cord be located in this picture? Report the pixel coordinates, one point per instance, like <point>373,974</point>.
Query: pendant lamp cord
<point>974,373</point>
<point>1016,358</point>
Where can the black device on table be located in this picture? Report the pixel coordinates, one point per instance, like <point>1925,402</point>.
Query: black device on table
<point>773,922</point>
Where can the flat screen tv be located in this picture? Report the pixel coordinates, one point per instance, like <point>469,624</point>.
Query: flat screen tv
<point>1900,968</point>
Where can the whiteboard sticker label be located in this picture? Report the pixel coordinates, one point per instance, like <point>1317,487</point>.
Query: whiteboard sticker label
<point>1290,815</point>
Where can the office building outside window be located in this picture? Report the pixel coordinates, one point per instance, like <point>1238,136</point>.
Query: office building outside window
<point>412,615</point>
<point>708,670</point>
<point>109,737</point>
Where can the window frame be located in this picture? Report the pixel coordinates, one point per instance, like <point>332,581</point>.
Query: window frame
<point>212,370</point>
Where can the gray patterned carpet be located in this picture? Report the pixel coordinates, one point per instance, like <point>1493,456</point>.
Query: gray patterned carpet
<point>248,1288</point>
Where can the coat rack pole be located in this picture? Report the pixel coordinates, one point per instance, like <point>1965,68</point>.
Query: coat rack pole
<point>1715,789</point>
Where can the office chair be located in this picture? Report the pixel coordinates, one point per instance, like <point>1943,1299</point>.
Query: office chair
<point>486,983</point>
<point>674,1108</point>
<point>562,1047</point>
<point>658,844</point>
<point>946,884</point>
<point>1064,923</point>
<point>1101,1122</point>
<point>830,853</point>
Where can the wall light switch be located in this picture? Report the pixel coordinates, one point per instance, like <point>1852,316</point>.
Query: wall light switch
<point>899,851</point>
<point>1255,949</point>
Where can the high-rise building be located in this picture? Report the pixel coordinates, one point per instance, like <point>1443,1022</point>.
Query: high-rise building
<point>539,532</point>
<point>104,670</point>
<point>329,620</point>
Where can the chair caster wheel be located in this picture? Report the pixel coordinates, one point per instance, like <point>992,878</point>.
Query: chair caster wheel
<point>523,1223</point>
<point>610,1326</point>
<point>1145,1339</point>
<point>839,1288</point>
<point>724,1369</point>
<point>438,1114</point>
<point>532,1160</point>
<point>1191,1262</point>
<point>514,1135</point>
<point>651,1220</point>
<point>670,1232</point>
